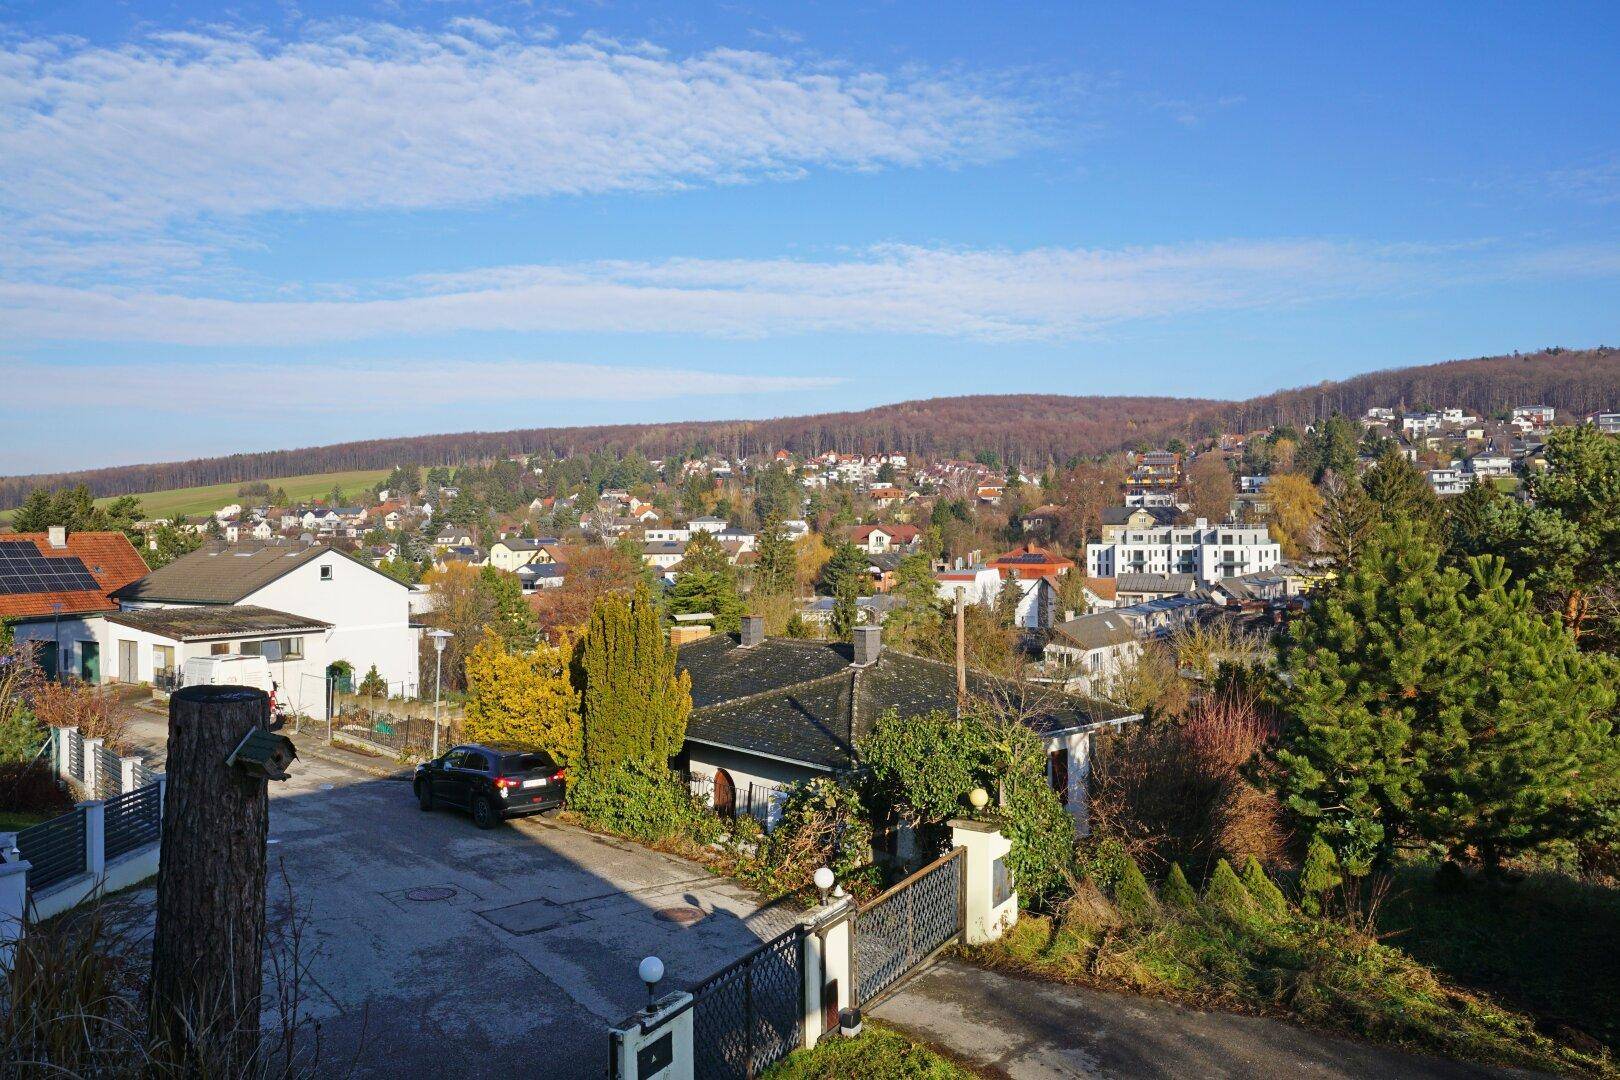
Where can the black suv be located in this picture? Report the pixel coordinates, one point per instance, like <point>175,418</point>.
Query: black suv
<point>494,782</point>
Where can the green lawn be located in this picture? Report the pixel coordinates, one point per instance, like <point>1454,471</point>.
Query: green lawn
<point>878,1053</point>
<point>193,501</point>
<point>1549,945</point>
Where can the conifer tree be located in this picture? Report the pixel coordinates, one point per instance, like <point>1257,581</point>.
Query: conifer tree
<point>1398,492</point>
<point>1482,521</point>
<point>1262,888</point>
<point>1319,874</point>
<point>524,697</point>
<point>633,703</point>
<point>775,560</point>
<point>1427,705</point>
<point>1347,516</point>
<point>1176,891</point>
<point>713,591</point>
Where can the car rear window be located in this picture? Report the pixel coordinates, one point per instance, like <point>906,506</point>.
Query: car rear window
<point>515,763</point>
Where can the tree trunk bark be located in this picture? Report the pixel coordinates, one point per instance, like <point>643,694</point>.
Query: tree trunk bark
<point>208,946</point>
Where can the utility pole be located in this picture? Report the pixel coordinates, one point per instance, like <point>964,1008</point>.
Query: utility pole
<point>961,648</point>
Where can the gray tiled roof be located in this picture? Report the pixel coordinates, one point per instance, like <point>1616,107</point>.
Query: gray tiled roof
<point>221,573</point>
<point>1156,583</point>
<point>805,702</point>
<point>1097,631</point>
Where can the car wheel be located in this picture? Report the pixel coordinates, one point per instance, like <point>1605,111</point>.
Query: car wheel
<point>483,812</point>
<point>424,795</point>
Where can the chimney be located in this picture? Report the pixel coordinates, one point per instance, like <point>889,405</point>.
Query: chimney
<point>753,630</point>
<point>868,645</point>
<point>58,535</point>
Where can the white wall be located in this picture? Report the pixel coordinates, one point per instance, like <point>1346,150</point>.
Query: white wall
<point>369,613</point>
<point>73,632</point>
<point>747,769</point>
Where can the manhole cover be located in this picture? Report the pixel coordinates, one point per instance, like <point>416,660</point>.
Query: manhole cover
<point>433,892</point>
<point>681,915</point>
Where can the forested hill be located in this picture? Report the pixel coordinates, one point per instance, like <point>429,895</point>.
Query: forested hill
<point>1574,381</point>
<point>1019,427</point>
<point>1027,428</point>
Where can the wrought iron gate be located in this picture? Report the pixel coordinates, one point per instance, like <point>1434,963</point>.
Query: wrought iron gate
<point>750,1014</point>
<point>906,925</point>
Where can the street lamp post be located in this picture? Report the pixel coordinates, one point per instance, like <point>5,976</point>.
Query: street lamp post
<point>439,638</point>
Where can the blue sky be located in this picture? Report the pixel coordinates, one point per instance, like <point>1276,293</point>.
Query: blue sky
<point>286,224</point>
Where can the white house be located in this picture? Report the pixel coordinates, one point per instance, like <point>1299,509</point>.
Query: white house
<point>512,552</point>
<point>980,584</point>
<point>364,615</point>
<point>1210,552</point>
<point>1447,481</point>
<point>1489,463</point>
<point>1092,650</point>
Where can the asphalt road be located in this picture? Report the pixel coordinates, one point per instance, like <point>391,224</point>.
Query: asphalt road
<point>442,950</point>
<point>1024,1029</point>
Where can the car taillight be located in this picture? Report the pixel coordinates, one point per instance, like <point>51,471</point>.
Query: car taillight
<point>507,781</point>
<point>559,774</point>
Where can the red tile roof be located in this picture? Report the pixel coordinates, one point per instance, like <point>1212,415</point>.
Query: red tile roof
<point>109,557</point>
<point>1030,561</point>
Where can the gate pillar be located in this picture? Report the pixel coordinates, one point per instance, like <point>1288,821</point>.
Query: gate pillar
<point>989,898</point>
<point>828,989</point>
<point>656,1043</point>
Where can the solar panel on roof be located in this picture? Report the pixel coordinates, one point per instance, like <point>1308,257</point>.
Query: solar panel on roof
<point>24,570</point>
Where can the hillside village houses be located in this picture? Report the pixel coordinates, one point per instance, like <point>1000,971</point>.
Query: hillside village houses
<point>1209,552</point>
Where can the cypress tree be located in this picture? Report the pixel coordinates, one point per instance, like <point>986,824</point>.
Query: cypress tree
<point>1319,874</point>
<point>1263,889</point>
<point>633,704</point>
<point>1176,891</point>
<point>1133,896</point>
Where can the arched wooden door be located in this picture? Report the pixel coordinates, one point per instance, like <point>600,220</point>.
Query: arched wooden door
<point>725,794</point>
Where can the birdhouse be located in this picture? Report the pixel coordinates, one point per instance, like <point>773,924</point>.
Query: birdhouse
<point>264,755</point>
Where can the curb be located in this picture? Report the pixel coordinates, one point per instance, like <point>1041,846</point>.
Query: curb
<point>379,767</point>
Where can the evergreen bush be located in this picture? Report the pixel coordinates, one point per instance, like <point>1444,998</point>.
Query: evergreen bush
<point>1176,892</point>
<point>1133,896</point>
<point>1263,889</point>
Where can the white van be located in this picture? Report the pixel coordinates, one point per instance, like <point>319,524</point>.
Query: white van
<point>230,669</point>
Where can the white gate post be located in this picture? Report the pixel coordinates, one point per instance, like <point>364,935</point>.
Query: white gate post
<point>826,963</point>
<point>92,765</point>
<point>128,765</point>
<point>63,745</point>
<point>660,1034</point>
<point>991,901</point>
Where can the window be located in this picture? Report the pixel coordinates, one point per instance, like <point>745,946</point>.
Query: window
<point>326,572</point>
<point>219,648</point>
<point>276,649</point>
<point>163,657</point>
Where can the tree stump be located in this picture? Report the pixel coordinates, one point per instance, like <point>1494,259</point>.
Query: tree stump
<point>207,951</point>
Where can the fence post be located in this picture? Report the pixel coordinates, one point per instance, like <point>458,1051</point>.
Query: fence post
<point>62,743</point>
<point>95,837</point>
<point>92,765</point>
<point>162,782</point>
<point>656,1043</point>
<point>987,915</point>
<point>128,781</point>
<point>827,971</point>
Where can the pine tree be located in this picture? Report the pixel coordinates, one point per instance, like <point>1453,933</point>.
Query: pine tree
<point>1482,521</point>
<point>633,704</point>
<point>774,560</point>
<point>1425,704</point>
<point>1572,537</point>
<point>1398,492</point>
<point>513,619</point>
<point>1347,516</point>
<point>703,552</point>
<point>712,591</point>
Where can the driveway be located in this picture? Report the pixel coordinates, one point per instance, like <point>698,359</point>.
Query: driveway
<point>1025,1029</point>
<point>442,950</point>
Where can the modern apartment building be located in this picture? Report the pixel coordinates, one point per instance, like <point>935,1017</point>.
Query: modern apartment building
<point>1210,552</point>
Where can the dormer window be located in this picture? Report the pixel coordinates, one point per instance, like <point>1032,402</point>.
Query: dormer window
<point>326,572</point>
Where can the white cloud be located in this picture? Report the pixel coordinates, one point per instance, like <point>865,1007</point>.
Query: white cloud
<point>108,140</point>
<point>351,387</point>
<point>993,295</point>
